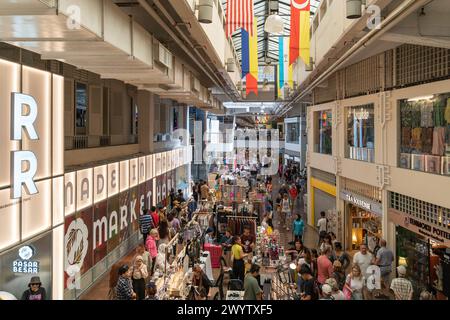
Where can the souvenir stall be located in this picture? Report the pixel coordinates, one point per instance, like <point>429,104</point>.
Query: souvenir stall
<point>276,272</point>
<point>173,273</point>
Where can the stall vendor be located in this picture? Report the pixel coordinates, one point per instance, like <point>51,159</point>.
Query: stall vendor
<point>248,240</point>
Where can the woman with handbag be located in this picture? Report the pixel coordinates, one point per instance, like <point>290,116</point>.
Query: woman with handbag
<point>354,284</point>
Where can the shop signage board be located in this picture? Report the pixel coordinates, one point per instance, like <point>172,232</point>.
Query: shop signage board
<point>102,208</point>
<point>25,264</point>
<point>433,232</point>
<point>31,152</point>
<point>362,202</point>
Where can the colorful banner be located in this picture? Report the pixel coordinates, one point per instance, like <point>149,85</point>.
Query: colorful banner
<point>300,31</point>
<point>245,40</point>
<point>250,59</point>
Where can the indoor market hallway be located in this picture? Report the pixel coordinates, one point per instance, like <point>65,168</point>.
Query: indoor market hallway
<point>310,237</point>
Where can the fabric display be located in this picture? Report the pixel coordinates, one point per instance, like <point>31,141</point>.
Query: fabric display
<point>237,224</point>
<point>416,139</point>
<point>426,111</point>
<point>438,141</point>
<point>416,116</point>
<point>406,139</point>
<point>447,112</point>
<point>425,134</point>
<point>427,140</point>
<point>439,108</point>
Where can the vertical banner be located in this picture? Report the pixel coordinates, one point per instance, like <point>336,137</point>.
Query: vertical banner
<point>149,194</point>
<point>113,220</point>
<point>300,31</point>
<point>100,231</point>
<point>124,221</point>
<point>280,65</point>
<point>135,208</point>
<point>78,243</point>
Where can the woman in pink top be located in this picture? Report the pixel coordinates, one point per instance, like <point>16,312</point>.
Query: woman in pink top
<point>150,245</point>
<point>324,266</point>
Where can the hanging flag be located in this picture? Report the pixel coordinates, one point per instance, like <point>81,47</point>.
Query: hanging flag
<point>280,62</point>
<point>300,31</point>
<point>289,67</point>
<point>245,51</point>
<point>252,76</point>
<point>239,15</point>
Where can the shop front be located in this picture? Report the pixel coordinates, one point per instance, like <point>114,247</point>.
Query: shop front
<point>321,195</point>
<point>29,259</point>
<point>363,214</point>
<point>422,243</point>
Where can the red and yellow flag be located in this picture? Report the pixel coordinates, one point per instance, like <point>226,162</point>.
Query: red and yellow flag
<point>300,34</point>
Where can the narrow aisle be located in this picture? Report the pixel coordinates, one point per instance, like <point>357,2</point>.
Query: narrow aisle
<point>310,237</point>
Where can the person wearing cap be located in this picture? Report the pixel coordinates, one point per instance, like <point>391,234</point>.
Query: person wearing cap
<point>35,291</point>
<point>138,275</point>
<point>327,292</point>
<point>402,287</point>
<point>124,288</point>
<point>151,291</point>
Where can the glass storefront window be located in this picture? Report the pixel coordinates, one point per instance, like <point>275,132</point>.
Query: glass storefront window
<point>361,133</point>
<point>293,133</point>
<point>425,134</point>
<point>323,135</point>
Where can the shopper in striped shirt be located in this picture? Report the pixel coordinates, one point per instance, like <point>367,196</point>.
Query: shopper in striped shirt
<point>146,223</point>
<point>402,287</point>
<point>124,288</point>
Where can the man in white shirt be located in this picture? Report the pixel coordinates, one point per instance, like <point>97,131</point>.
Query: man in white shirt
<point>322,226</point>
<point>363,259</point>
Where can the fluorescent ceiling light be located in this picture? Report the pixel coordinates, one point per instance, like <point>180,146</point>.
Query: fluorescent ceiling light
<point>421,98</point>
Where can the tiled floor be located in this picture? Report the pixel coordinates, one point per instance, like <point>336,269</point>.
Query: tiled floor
<point>99,291</point>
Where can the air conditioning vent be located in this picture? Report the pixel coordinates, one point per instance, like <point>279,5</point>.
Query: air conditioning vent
<point>163,56</point>
<point>195,84</point>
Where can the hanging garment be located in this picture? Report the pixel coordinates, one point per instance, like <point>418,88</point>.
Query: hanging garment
<point>426,119</point>
<point>416,115</point>
<point>439,112</point>
<point>406,139</point>
<point>447,140</point>
<point>438,141</point>
<point>416,139</point>
<point>406,114</point>
<point>447,112</point>
<point>427,140</point>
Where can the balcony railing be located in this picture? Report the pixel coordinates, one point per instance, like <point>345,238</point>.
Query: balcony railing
<point>84,142</point>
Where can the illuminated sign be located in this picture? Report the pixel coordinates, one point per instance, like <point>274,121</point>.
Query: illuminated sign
<point>23,120</point>
<point>362,114</point>
<point>362,202</point>
<point>24,264</point>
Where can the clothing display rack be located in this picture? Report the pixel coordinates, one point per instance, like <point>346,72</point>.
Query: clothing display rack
<point>237,223</point>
